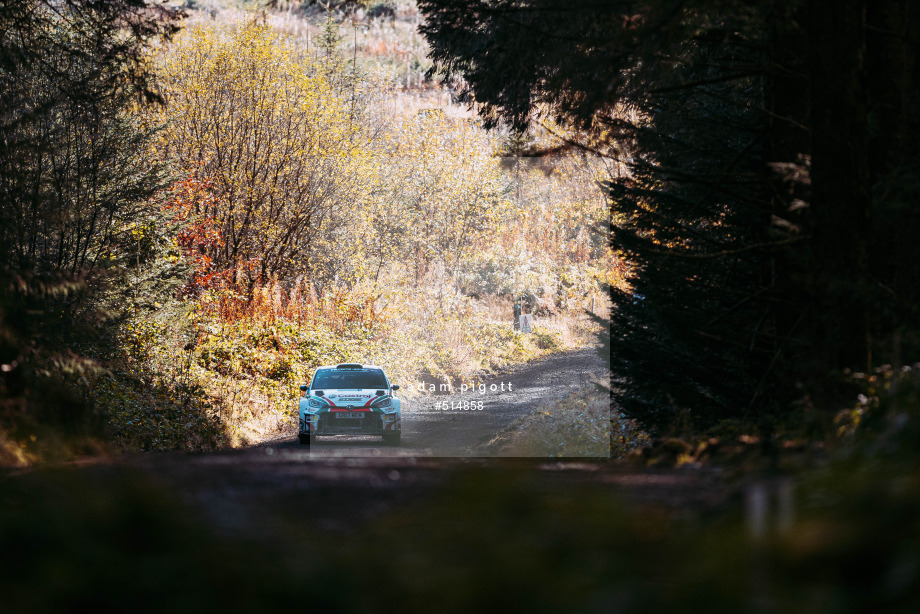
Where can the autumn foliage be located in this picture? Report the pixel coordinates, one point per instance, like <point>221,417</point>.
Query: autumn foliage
<point>199,238</point>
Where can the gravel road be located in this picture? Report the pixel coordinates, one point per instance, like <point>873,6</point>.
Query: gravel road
<point>438,424</point>
<point>268,491</point>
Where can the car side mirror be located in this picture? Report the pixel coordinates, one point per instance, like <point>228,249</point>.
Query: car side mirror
<point>303,387</point>
<point>395,386</point>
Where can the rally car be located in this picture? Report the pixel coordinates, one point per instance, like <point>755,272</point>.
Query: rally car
<point>349,399</point>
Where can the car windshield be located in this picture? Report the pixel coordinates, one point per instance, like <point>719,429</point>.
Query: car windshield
<point>352,378</point>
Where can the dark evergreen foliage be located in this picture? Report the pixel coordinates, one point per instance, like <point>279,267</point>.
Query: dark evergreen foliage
<point>693,212</point>
<point>76,181</point>
<point>72,162</point>
<point>765,200</point>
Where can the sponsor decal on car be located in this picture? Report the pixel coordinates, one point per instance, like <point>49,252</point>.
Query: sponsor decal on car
<point>369,409</point>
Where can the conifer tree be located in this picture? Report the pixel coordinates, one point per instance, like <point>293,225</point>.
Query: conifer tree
<point>762,202</point>
<point>76,178</point>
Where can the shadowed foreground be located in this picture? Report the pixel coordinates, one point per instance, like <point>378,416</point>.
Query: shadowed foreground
<point>251,530</point>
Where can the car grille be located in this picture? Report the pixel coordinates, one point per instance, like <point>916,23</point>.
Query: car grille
<point>330,422</point>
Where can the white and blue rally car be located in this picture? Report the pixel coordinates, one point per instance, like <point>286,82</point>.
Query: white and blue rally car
<point>349,399</point>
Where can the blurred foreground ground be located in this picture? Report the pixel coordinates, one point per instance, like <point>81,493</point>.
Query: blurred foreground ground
<point>264,527</point>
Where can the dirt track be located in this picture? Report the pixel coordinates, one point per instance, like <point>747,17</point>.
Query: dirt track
<point>430,429</point>
<point>346,481</point>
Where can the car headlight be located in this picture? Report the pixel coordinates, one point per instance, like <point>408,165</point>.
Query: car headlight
<point>383,404</point>
<point>315,403</point>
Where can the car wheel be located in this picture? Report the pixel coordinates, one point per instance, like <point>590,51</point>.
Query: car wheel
<point>304,440</point>
<point>392,439</point>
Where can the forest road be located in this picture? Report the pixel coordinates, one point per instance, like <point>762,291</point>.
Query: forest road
<point>450,423</point>
<point>340,483</point>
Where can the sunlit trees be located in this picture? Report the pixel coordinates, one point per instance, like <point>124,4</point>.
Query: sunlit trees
<point>258,119</point>
<point>551,243</point>
<point>439,193</point>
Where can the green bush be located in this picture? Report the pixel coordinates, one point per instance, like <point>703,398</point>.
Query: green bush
<point>158,415</point>
<point>546,340</point>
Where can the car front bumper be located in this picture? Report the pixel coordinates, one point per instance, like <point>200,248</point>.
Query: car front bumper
<point>333,423</point>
